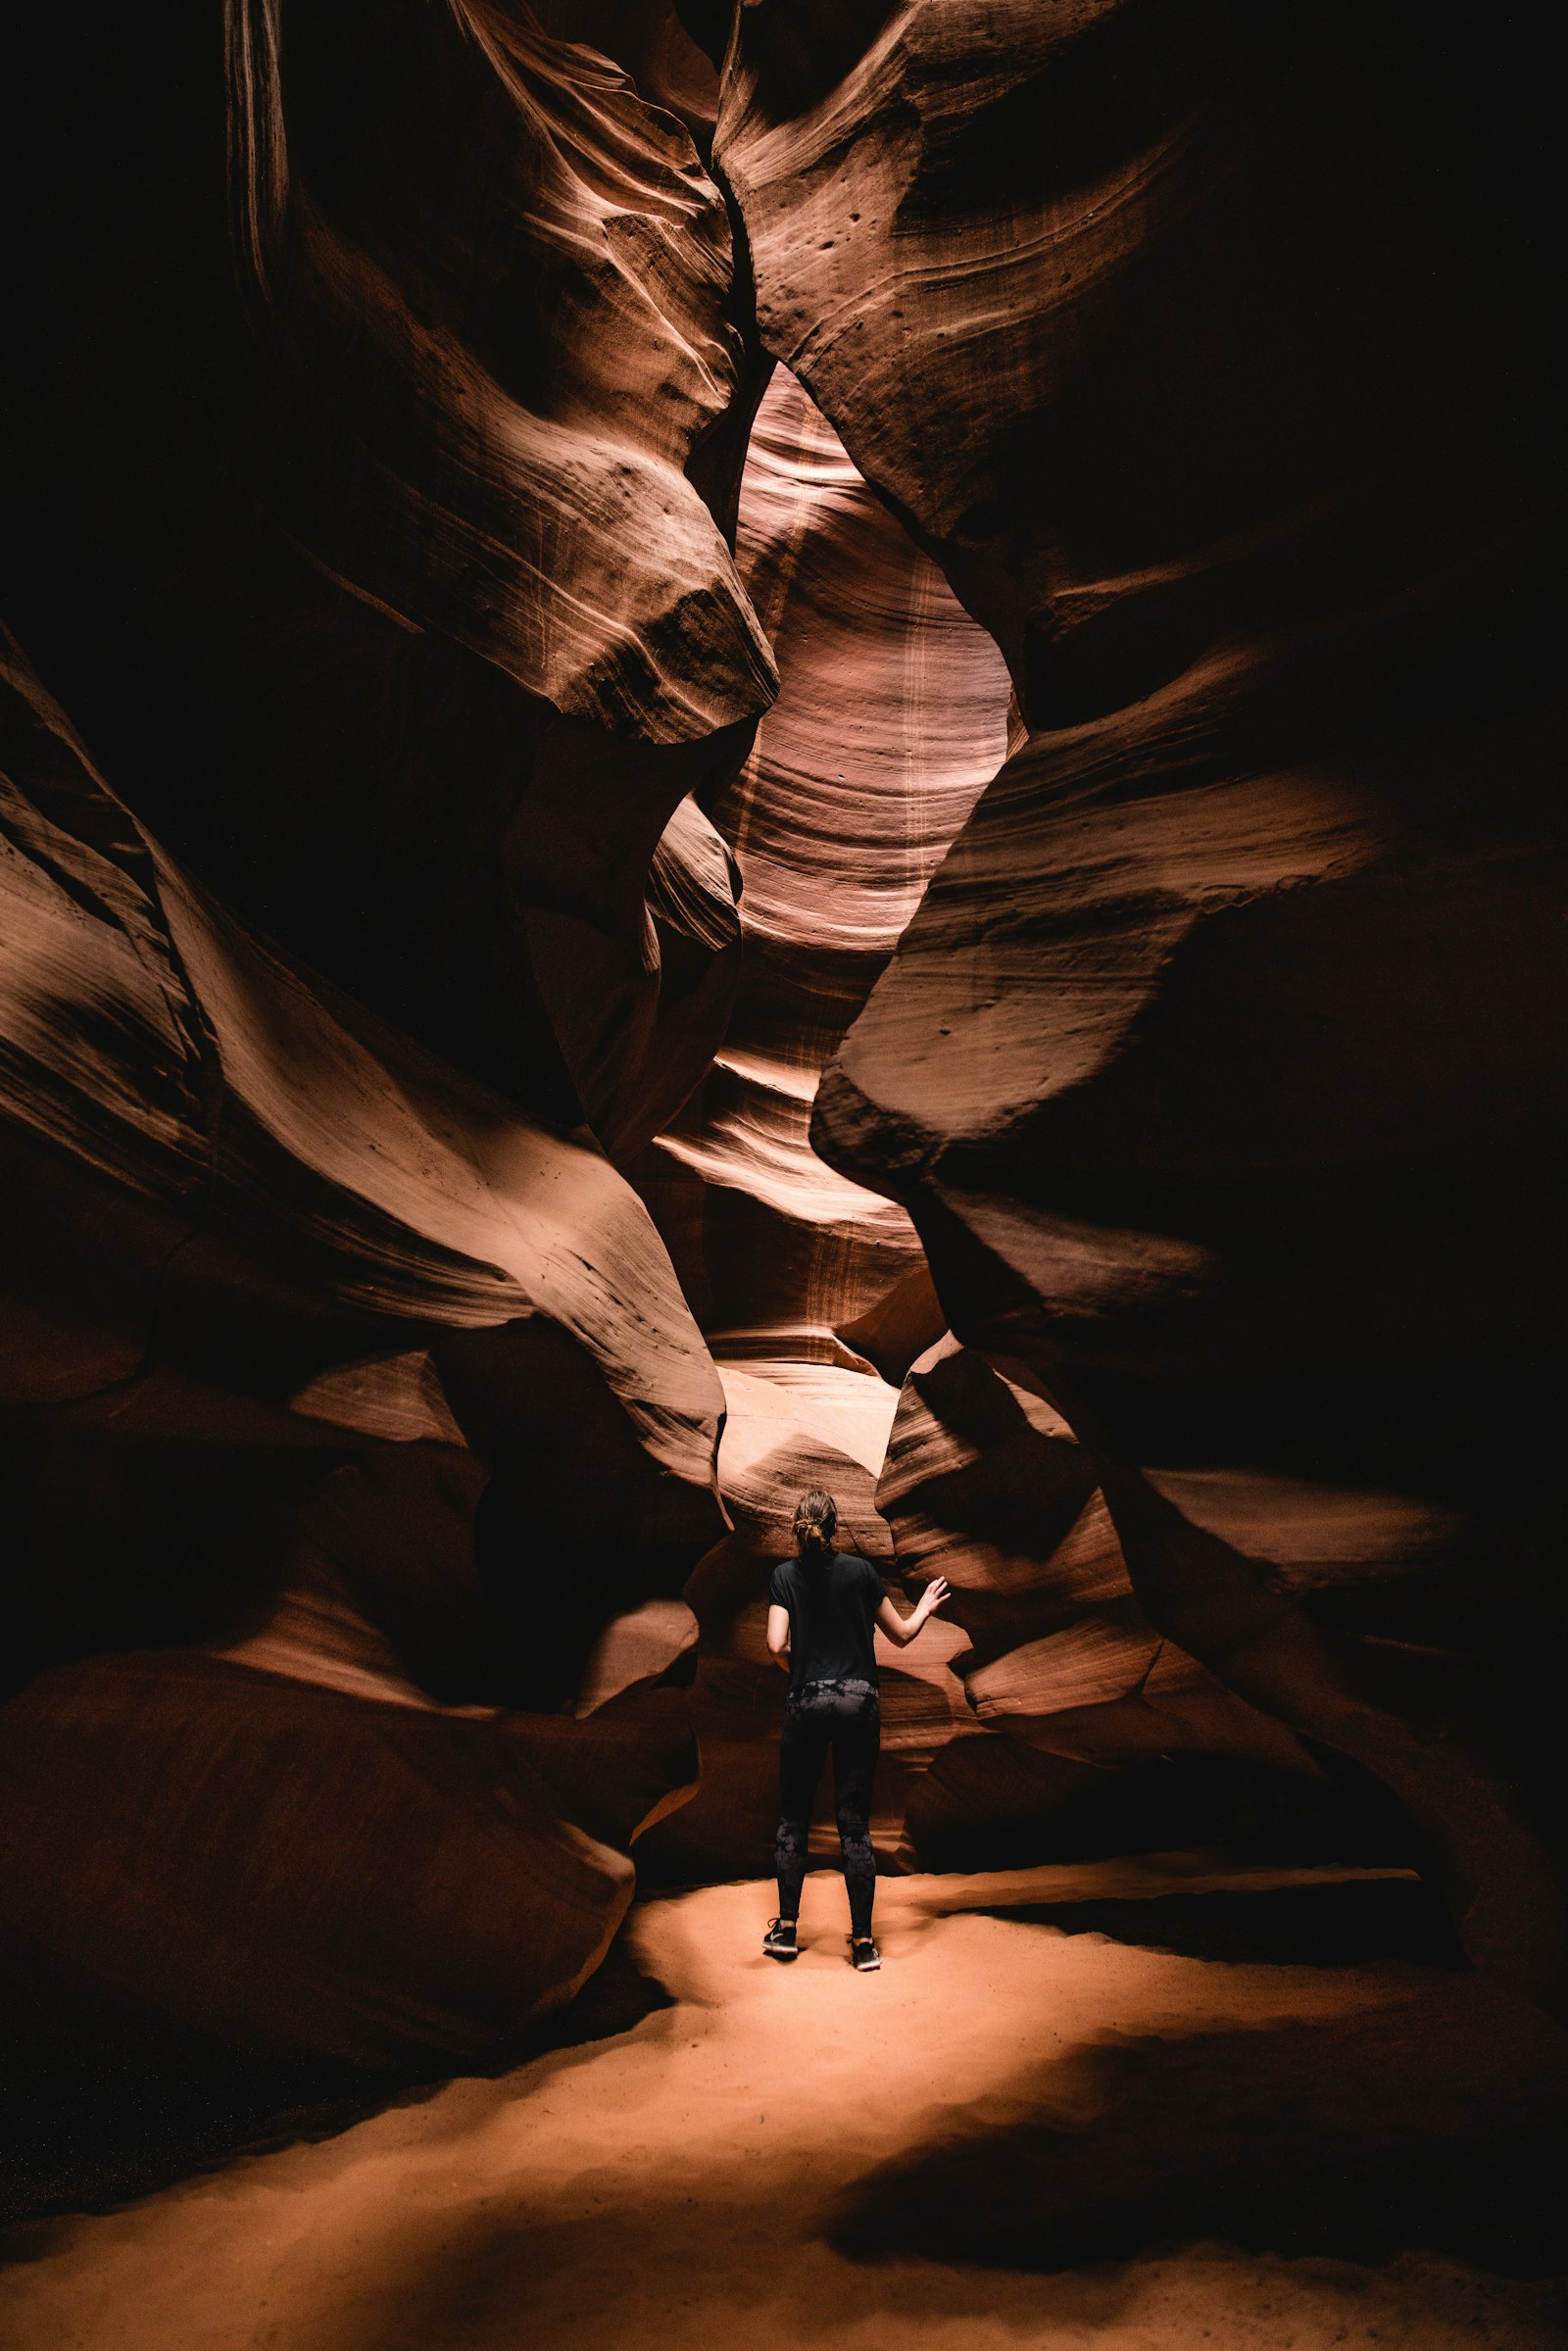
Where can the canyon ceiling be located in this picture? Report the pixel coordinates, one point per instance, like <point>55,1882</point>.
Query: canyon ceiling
<point>821,751</point>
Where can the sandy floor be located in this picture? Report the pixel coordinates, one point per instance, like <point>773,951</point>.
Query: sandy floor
<point>1014,2135</point>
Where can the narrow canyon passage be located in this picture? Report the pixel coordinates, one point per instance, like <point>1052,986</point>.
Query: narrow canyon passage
<point>891,719</point>
<point>745,746</point>
<point>1059,2117</point>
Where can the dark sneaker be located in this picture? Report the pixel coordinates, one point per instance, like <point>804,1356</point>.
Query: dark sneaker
<point>863,1953</point>
<point>779,1941</point>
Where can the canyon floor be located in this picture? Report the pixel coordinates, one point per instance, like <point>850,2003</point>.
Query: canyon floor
<point>1120,2104</point>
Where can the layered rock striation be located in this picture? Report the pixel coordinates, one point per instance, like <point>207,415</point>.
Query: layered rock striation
<point>1088,1051</point>
<point>284,1299</point>
<point>392,584</point>
<point>369,496</point>
<point>1219,1068</point>
<point>892,716</point>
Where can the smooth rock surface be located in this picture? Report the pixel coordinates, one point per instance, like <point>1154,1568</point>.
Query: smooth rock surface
<point>891,718</point>
<point>393,585</point>
<point>256,1241</point>
<point>1220,1067</point>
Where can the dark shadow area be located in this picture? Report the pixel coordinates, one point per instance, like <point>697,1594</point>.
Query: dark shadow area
<point>997,1803</point>
<point>122,2129</point>
<point>1407,2126</point>
<point>116,1546</point>
<point>1349,1924</point>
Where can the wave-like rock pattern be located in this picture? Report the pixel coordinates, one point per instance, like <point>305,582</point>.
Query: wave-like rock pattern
<point>278,1290</point>
<point>417,1202</point>
<point>404,252</point>
<point>393,584</point>
<point>1220,1067</point>
<point>986,1483</point>
<point>373,497</point>
<point>891,718</point>
<point>267,1871</point>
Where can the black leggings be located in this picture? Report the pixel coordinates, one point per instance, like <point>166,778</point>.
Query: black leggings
<point>846,1716</point>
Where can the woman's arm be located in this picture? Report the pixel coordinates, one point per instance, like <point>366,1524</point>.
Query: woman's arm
<point>778,1634</point>
<point>902,1629</point>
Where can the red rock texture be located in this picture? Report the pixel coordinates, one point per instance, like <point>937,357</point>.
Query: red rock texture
<point>396,593</point>
<point>548,525</point>
<point>329,1330</point>
<point>986,1483</point>
<point>1221,1066</point>
<point>309,1864</point>
<point>891,715</point>
<point>1128,943</point>
<point>271,1271</point>
<point>808,1286</point>
<point>417,1203</point>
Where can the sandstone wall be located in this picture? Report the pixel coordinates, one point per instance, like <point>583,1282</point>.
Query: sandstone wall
<point>1221,1066</point>
<point>594,935</point>
<point>359,1438</point>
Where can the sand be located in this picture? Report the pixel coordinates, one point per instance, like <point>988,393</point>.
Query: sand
<point>1013,2136</point>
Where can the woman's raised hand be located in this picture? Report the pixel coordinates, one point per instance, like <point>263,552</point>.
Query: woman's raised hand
<point>936,1592</point>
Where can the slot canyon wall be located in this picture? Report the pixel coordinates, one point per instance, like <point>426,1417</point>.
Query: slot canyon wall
<point>738,756</point>
<point>1221,1067</point>
<point>360,916</point>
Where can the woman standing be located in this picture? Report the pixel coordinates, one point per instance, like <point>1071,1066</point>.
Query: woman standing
<point>824,1604</point>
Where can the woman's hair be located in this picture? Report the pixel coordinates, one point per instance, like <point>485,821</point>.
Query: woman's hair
<point>817,1521</point>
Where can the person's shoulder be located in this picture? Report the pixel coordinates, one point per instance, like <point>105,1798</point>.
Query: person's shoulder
<point>865,1573</point>
<point>782,1583</point>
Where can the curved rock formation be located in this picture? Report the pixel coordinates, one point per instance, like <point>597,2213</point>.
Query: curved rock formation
<point>266,1872</point>
<point>892,713</point>
<point>398,599</point>
<point>541,518</point>
<point>1089,1051</point>
<point>1221,1066</point>
<point>891,716</point>
<point>986,1483</point>
<point>334,1344</point>
<point>269,1267</point>
<point>416,1202</point>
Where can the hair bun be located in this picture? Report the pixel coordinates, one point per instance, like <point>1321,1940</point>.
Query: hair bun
<point>816,1519</point>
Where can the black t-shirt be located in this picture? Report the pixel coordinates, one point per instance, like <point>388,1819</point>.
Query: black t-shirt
<point>832,1608</point>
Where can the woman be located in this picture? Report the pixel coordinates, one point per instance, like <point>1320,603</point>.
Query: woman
<point>824,1604</point>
